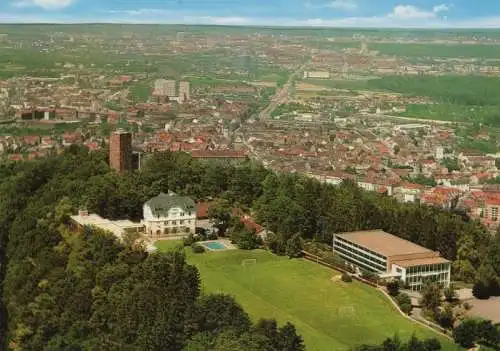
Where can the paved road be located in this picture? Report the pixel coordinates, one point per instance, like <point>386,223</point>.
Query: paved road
<point>281,94</point>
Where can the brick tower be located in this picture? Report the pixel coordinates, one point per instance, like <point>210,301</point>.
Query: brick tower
<point>120,151</point>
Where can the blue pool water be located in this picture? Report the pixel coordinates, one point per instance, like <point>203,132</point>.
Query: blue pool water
<point>215,245</point>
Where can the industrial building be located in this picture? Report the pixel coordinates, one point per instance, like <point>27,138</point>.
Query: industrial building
<point>392,257</point>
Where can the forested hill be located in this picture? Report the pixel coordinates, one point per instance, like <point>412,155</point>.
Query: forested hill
<point>68,291</point>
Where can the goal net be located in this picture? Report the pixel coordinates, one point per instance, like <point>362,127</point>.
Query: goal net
<point>248,262</point>
<point>346,312</point>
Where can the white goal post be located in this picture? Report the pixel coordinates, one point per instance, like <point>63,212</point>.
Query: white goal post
<point>248,262</point>
<point>347,311</point>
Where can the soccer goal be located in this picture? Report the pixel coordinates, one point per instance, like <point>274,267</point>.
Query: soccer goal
<point>248,262</point>
<point>347,312</point>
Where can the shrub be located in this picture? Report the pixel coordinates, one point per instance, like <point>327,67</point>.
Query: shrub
<point>445,317</point>
<point>189,240</point>
<point>346,278</point>
<point>393,287</point>
<point>294,247</point>
<point>370,276</point>
<point>276,243</point>
<point>246,240</point>
<point>197,248</point>
<point>481,290</point>
<point>212,236</point>
<point>404,302</point>
<point>450,294</point>
<point>465,333</point>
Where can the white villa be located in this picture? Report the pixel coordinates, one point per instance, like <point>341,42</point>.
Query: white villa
<point>169,215</point>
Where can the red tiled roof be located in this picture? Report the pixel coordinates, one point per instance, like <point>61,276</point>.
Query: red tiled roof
<point>218,154</point>
<point>16,157</point>
<point>382,189</point>
<point>31,139</point>
<point>93,146</point>
<point>72,137</point>
<point>408,185</point>
<point>249,224</point>
<point>493,201</point>
<point>202,209</point>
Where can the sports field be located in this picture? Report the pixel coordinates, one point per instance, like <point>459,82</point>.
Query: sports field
<point>330,314</point>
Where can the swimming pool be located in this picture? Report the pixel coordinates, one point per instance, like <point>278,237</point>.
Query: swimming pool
<point>214,245</point>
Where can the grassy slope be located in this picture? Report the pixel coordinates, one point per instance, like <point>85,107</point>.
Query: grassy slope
<point>303,293</point>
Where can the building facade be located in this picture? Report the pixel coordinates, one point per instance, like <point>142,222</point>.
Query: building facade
<point>169,215</point>
<point>120,151</point>
<point>119,228</point>
<point>164,89</point>
<point>222,156</point>
<point>392,257</point>
<point>184,91</point>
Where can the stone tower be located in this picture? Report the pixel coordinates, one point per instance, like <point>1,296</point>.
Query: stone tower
<point>120,151</point>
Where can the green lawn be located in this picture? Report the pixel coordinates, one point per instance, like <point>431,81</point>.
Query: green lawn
<point>329,315</point>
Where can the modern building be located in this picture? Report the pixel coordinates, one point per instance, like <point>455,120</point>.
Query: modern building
<point>184,92</point>
<point>165,89</point>
<point>170,88</point>
<point>392,257</point>
<point>169,215</point>
<point>120,151</point>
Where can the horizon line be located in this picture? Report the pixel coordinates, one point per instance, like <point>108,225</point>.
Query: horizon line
<point>283,26</point>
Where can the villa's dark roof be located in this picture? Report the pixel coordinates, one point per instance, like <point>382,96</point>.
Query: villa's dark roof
<point>161,204</point>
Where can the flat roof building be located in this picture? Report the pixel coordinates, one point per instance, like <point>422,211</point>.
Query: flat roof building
<point>392,257</point>
<point>118,228</point>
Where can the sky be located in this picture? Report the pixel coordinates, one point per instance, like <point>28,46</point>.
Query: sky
<point>315,13</point>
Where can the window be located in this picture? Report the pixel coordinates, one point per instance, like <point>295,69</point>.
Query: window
<point>174,222</point>
<point>494,213</point>
<point>399,270</point>
<point>181,222</point>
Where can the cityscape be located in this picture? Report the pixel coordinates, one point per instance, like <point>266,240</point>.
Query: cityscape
<point>206,187</point>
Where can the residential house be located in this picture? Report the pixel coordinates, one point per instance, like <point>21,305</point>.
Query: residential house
<point>442,197</point>
<point>72,138</point>
<point>408,192</point>
<point>169,215</point>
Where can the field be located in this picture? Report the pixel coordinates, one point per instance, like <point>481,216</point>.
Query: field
<point>438,50</point>
<point>330,315</point>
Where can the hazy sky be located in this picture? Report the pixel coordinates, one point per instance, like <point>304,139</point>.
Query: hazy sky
<point>343,13</point>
